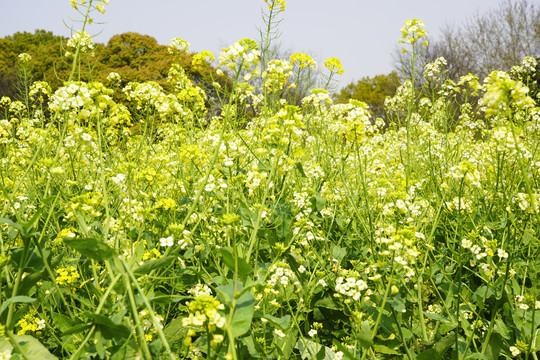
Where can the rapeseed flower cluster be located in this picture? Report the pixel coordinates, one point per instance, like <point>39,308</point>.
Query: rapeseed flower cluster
<point>82,41</point>
<point>31,324</point>
<point>412,31</point>
<point>322,205</point>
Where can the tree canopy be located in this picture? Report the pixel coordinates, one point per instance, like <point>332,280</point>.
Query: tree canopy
<point>133,56</point>
<point>372,91</point>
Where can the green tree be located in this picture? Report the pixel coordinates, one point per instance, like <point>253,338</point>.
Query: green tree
<point>47,61</point>
<point>371,90</point>
<point>8,68</point>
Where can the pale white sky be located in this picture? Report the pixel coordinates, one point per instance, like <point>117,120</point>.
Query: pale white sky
<point>361,33</point>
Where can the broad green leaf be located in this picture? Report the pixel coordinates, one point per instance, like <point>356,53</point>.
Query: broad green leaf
<point>281,323</point>
<point>91,248</point>
<point>318,202</point>
<point>228,258</point>
<point>243,309</point>
<point>285,345</point>
<point>34,262</point>
<point>339,253</point>
<point>64,322</point>
<point>439,349</point>
<point>76,329</point>
<point>309,350</point>
<point>29,225</point>
<point>108,328</point>
<point>429,354</point>
<point>327,302</point>
<point>154,264</point>
<point>33,348</point>
<point>437,317</point>
<point>385,350</point>
<point>364,337</point>
<point>494,346</point>
<point>282,216</point>
<point>476,356</point>
<point>15,299</point>
<point>502,329</point>
<point>12,224</point>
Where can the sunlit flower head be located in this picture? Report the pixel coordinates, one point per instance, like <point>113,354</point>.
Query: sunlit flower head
<point>303,61</point>
<point>272,4</point>
<point>24,58</point>
<point>178,44</point>
<point>334,65</point>
<point>412,31</point>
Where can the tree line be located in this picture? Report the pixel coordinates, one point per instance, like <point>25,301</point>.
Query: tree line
<point>133,56</point>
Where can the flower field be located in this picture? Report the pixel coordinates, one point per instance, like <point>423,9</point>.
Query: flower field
<point>137,224</point>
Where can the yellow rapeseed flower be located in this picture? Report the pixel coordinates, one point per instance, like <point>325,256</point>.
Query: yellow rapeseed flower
<point>334,65</point>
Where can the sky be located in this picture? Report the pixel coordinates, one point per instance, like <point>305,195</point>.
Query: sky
<point>363,34</point>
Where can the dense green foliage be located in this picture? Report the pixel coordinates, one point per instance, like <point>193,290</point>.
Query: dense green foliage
<point>133,56</point>
<point>134,224</point>
<point>371,90</point>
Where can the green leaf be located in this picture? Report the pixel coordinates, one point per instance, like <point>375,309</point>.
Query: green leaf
<point>29,225</point>
<point>34,261</point>
<point>108,328</point>
<point>476,356</point>
<point>437,317</point>
<point>439,349</point>
<point>15,299</point>
<point>309,349</point>
<point>175,332</point>
<point>33,348</point>
<point>494,346</point>
<point>501,328</point>
<point>243,309</point>
<point>154,264</point>
<point>385,350</point>
<point>64,322</point>
<point>327,302</point>
<point>228,258</point>
<point>339,253</point>
<point>318,202</point>
<point>429,354</point>
<point>285,345</point>
<point>76,329</point>
<point>364,337</point>
<point>12,224</point>
<point>282,216</point>
<point>91,248</point>
<point>280,323</point>
<point>300,169</point>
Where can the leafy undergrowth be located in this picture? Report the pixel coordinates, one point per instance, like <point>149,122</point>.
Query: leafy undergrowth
<point>135,225</point>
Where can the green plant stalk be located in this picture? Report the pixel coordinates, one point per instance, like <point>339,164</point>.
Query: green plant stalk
<point>533,324</point>
<point>76,355</point>
<point>299,330</point>
<point>78,48</point>
<point>253,237</point>
<point>383,304</point>
<point>155,322</point>
<point>135,314</point>
<point>407,350</point>
<point>497,305</point>
<point>11,306</point>
<point>420,309</point>
<point>37,245</point>
<point>215,156</point>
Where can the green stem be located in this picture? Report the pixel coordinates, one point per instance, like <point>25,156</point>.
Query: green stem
<point>22,264</point>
